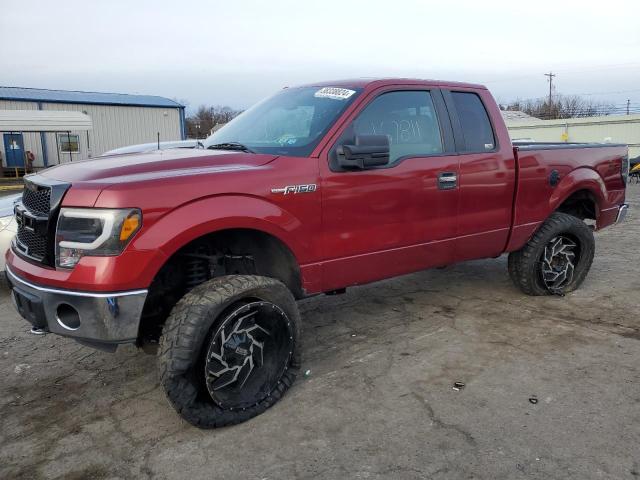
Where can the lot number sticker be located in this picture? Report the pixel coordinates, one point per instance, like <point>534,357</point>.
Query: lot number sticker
<point>334,93</point>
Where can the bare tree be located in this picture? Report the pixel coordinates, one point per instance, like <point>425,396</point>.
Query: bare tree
<point>562,106</point>
<point>206,118</point>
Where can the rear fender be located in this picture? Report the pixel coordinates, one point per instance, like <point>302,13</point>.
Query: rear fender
<point>584,179</point>
<point>579,179</point>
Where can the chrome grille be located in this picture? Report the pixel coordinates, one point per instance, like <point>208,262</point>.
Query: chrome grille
<point>37,199</point>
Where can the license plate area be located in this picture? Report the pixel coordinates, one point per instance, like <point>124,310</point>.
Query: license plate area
<point>30,307</point>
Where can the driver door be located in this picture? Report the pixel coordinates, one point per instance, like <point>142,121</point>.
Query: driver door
<point>397,218</point>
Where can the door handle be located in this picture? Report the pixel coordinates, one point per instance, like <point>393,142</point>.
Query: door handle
<point>447,180</point>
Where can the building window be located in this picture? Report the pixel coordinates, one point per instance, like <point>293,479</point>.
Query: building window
<point>69,143</point>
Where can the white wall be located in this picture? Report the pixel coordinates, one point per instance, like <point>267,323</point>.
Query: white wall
<point>116,126</point>
<point>613,128</point>
<point>113,126</point>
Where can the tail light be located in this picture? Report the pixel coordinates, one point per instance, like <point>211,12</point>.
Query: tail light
<point>624,169</point>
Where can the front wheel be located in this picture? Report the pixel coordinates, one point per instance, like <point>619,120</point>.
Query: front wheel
<point>556,259</point>
<point>229,350</point>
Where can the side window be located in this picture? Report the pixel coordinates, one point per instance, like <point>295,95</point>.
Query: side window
<point>408,118</point>
<point>474,120</point>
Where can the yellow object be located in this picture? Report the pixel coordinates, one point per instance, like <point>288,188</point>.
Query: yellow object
<point>564,136</point>
<point>636,168</point>
<point>129,226</point>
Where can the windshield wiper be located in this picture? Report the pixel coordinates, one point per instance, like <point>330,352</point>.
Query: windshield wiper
<point>230,146</point>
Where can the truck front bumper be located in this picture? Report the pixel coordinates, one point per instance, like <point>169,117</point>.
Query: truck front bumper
<point>101,320</point>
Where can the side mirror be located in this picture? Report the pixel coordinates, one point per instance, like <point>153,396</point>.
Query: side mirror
<point>368,151</point>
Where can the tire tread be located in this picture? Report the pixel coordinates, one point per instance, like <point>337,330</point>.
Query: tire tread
<point>185,331</point>
<point>522,263</point>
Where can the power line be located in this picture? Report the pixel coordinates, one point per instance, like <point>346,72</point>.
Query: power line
<point>606,93</point>
<point>587,94</point>
<point>585,113</point>
<point>570,70</point>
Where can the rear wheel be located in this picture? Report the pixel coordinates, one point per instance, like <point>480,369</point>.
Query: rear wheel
<point>556,259</point>
<point>229,349</point>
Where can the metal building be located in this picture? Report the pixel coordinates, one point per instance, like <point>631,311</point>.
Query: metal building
<point>116,120</point>
<point>609,128</point>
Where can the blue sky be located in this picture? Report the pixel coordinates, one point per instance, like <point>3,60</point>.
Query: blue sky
<point>234,53</point>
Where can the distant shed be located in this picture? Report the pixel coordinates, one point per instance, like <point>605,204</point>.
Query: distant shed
<point>117,120</point>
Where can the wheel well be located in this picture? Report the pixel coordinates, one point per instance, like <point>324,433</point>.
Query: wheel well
<point>581,204</point>
<point>226,252</point>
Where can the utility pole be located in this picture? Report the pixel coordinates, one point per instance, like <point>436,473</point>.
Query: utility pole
<point>628,102</point>
<point>550,75</point>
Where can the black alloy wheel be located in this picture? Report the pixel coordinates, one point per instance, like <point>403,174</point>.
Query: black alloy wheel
<point>558,261</point>
<point>230,349</point>
<point>247,354</point>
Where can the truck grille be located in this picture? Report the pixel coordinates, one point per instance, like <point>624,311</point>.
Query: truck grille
<point>36,216</point>
<point>37,199</point>
<point>36,245</point>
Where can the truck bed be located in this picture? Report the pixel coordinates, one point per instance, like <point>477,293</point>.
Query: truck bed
<point>594,166</point>
<point>523,145</point>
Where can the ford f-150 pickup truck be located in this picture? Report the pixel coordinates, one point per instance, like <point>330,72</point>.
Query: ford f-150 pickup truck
<point>201,254</point>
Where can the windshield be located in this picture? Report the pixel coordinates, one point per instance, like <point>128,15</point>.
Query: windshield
<point>291,123</point>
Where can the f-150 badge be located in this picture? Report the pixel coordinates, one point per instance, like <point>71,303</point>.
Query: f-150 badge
<point>308,188</point>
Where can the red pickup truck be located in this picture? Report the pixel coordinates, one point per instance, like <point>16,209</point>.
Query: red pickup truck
<point>202,253</point>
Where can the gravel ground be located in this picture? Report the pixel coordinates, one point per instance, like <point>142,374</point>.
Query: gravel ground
<point>378,402</point>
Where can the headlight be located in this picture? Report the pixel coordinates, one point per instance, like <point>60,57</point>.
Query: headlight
<point>93,232</point>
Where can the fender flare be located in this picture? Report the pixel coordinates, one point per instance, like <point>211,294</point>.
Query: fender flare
<point>580,179</point>
<point>583,178</point>
<point>208,215</point>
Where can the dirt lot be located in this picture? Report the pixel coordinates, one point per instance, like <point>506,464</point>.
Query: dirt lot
<point>379,401</point>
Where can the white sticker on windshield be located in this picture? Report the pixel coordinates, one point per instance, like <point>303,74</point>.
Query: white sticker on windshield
<point>334,93</point>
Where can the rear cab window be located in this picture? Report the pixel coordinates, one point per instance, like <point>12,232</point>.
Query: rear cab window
<point>477,132</point>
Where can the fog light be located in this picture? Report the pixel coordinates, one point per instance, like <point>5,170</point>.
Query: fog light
<point>68,317</point>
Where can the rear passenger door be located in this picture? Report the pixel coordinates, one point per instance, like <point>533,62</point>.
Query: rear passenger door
<point>486,179</point>
<point>400,217</point>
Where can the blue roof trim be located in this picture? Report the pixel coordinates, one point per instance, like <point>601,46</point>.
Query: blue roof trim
<point>90,98</point>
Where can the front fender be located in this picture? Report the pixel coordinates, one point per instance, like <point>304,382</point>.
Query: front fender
<point>186,223</point>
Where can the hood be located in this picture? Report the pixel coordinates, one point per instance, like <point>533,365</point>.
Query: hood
<point>7,203</point>
<point>148,147</point>
<point>154,165</point>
